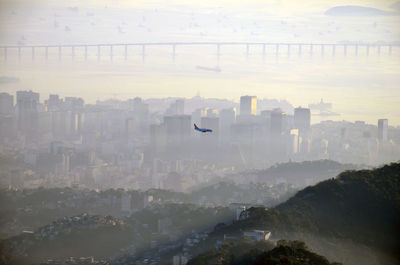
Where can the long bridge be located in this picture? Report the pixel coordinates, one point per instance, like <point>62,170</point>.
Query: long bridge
<point>277,48</point>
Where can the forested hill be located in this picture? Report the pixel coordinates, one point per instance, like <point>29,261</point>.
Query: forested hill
<point>243,252</point>
<point>359,209</point>
<point>304,173</point>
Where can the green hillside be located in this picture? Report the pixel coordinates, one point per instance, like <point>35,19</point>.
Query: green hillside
<point>243,252</point>
<point>354,216</point>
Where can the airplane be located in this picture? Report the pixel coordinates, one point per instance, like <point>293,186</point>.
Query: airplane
<point>203,130</point>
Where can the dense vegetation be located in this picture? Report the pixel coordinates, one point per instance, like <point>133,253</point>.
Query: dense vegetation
<point>102,240</point>
<point>243,252</point>
<point>355,216</point>
<point>38,207</point>
<point>226,192</point>
<point>34,208</point>
<point>298,172</point>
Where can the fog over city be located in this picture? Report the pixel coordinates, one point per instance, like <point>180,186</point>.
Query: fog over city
<point>199,132</point>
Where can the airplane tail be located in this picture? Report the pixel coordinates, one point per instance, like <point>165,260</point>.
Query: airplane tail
<point>195,126</point>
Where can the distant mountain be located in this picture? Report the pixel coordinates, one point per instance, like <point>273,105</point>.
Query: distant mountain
<point>224,193</point>
<point>8,79</point>
<point>354,218</point>
<point>303,173</point>
<point>396,6</point>
<point>355,11</point>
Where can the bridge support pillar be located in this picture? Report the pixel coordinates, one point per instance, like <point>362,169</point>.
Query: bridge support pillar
<point>218,51</point>
<point>72,52</point>
<point>46,51</point>
<point>345,50</point>
<point>126,52</point>
<point>247,50</point>
<point>379,49</point>
<point>288,50</point>
<point>299,49</point>
<point>277,50</point>
<point>367,50</point>
<point>143,52</point>
<point>19,53</point>
<point>356,49</point>
<point>5,53</point>
<point>311,49</point>
<point>333,50</point>
<point>33,53</point>
<point>264,51</point>
<point>86,52</point>
<point>111,53</point>
<point>322,50</point>
<point>390,49</point>
<point>98,52</point>
<point>59,52</point>
<point>173,52</point>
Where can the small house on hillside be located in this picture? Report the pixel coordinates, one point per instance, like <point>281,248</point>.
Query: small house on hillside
<point>257,235</point>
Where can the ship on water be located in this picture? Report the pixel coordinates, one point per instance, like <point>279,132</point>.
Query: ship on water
<point>216,69</point>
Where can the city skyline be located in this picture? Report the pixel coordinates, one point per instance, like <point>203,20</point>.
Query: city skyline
<point>161,123</point>
<point>316,116</point>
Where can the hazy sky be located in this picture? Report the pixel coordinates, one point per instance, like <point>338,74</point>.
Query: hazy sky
<point>360,87</point>
<point>52,22</point>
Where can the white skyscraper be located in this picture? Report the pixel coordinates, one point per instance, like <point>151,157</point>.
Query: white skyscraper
<point>248,105</point>
<point>383,129</point>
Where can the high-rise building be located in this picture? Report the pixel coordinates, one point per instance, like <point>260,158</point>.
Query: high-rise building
<point>158,138</point>
<point>180,107</point>
<point>304,145</point>
<point>227,118</point>
<point>93,120</point>
<point>344,133</point>
<point>277,140</point>
<point>6,103</point>
<point>293,141</point>
<point>59,123</point>
<point>178,128</point>
<point>27,111</point>
<point>302,120</point>
<point>210,123</point>
<point>74,122</point>
<point>248,105</point>
<point>290,122</point>
<point>44,123</point>
<point>53,103</point>
<point>266,114</point>
<point>140,113</point>
<point>73,103</point>
<point>383,129</point>
<point>140,108</point>
<point>198,114</point>
<point>176,108</point>
<point>212,113</point>
<point>213,124</point>
<point>278,122</point>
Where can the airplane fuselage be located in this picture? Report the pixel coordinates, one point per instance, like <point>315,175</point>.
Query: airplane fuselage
<point>203,130</point>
